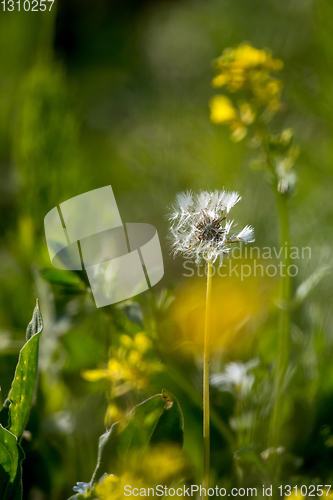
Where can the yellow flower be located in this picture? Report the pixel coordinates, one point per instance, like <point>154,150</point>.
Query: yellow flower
<point>142,342</point>
<point>245,58</point>
<point>129,366</point>
<point>112,487</point>
<point>328,494</point>
<point>126,341</point>
<point>248,70</point>
<point>222,109</point>
<point>220,80</point>
<point>238,133</point>
<point>158,466</point>
<point>295,495</point>
<point>266,90</point>
<point>247,113</point>
<point>162,462</point>
<point>249,56</point>
<point>94,375</point>
<point>237,77</point>
<point>223,112</point>
<point>235,303</point>
<point>113,414</point>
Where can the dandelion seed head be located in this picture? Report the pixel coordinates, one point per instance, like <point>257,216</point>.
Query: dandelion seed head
<point>198,226</point>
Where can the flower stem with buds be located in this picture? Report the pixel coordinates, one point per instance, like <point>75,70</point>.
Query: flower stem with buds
<point>283,330</point>
<point>206,416</point>
<point>284,319</point>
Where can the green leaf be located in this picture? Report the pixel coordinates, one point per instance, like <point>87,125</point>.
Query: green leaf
<point>23,385</point>
<point>4,414</point>
<point>11,456</point>
<point>36,324</point>
<point>170,426</point>
<point>15,410</point>
<point>60,277</point>
<point>157,420</point>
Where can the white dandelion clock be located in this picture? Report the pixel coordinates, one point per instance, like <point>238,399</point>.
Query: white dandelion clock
<point>199,226</point>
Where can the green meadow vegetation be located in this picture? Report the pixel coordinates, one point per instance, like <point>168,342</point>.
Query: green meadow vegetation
<point>217,379</point>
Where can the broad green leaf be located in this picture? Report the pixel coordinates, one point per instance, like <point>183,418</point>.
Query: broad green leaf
<point>157,420</point>
<point>15,491</point>
<point>23,385</point>
<point>11,456</point>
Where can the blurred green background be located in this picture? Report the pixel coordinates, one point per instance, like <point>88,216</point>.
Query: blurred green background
<point>116,92</point>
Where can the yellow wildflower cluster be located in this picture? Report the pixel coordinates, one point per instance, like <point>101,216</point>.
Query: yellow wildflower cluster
<point>247,71</point>
<point>129,366</point>
<point>112,487</point>
<point>159,465</point>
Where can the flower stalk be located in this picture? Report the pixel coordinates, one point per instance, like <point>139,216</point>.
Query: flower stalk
<point>284,314</point>
<point>206,409</point>
<point>251,97</point>
<point>283,330</point>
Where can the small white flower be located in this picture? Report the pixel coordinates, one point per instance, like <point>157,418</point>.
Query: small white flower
<point>236,377</point>
<point>199,229</point>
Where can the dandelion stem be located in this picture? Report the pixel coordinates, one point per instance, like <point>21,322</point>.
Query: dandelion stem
<point>198,233</point>
<point>206,416</point>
